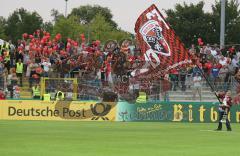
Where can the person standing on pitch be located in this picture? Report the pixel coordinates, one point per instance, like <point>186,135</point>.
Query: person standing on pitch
<point>224,108</point>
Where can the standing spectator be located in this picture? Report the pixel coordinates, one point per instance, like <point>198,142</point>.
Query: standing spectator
<point>235,63</point>
<point>165,87</point>
<point>26,59</point>
<point>197,86</point>
<point>1,75</point>
<point>209,57</point>
<point>32,67</point>
<point>183,74</point>
<point>222,76</point>
<point>19,70</point>
<point>193,49</point>
<point>6,57</point>
<point>19,54</point>
<point>222,60</point>
<point>174,78</point>
<point>214,52</point>
<point>207,68</point>
<point>214,74</point>
<point>46,65</point>
<point>207,49</point>
<point>12,81</point>
<point>231,52</point>
<point>12,54</point>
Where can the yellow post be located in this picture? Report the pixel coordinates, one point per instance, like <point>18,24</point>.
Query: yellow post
<point>75,88</point>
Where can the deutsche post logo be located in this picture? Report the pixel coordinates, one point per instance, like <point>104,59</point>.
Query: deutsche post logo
<point>100,110</point>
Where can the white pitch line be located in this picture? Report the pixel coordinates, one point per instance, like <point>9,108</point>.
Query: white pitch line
<point>213,131</point>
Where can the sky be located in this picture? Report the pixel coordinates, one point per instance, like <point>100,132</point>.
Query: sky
<point>125,12</point>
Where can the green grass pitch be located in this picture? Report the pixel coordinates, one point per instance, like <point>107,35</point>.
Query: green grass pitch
<point>55,138</point>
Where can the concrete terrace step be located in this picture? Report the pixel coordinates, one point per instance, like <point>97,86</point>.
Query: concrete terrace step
<point>25,93</point>
<point>189,92</point>
<point>187,100</point>
<point>25,97</point>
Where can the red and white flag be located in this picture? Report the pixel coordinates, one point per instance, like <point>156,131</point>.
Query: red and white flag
<point>160,46</point>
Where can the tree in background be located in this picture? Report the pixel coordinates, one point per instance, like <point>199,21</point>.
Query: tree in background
<point>48,26</point>
<point>68,28</point>
<point>102,30</point>
<point>232,21</point>
<point>191,22</point>
<point>21,21</point>
<point>56,15</point>
<point>87,13</point>
<point>2,28</point>
<point>93,21</point>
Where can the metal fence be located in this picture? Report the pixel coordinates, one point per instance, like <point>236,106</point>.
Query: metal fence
<point>88,88</point>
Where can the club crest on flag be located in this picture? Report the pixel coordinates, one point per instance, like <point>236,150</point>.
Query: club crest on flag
<point>161,49</point>
<point>151,32</point>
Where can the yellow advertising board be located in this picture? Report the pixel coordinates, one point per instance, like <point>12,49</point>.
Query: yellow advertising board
<point>57,110</point>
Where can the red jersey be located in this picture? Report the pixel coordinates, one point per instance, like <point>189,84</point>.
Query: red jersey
<point>226,100</point>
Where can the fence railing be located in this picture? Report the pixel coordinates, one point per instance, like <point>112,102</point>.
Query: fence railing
<point>93,89</point>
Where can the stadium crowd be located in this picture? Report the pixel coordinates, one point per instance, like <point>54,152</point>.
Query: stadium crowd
<point>37,55</point>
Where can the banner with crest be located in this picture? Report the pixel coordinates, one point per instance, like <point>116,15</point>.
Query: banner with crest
<point>160,46</point>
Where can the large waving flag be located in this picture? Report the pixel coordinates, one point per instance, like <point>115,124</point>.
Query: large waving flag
<point>160,46</point>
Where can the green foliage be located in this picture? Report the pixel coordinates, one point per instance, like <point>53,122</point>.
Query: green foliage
<point>102,30</point>
<point>2,28</point>
<point>87,13</point>
<point>48,26</point>
<point>119,35</point>
<point>99,28</point>
<point>21,21</point>
<point>68,28</point>
<point>191,22</point>
<point>232,21</point>
<point>56,15</point>
<point>93,21</point>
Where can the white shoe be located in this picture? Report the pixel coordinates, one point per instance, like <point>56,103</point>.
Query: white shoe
<point>223,121</point>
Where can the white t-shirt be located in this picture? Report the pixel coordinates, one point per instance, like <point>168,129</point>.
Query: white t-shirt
<point>46,66</point>
<point>223,62</point>
<point>214,53</point>
<point>234,62</point>
<point>225,101</point>
<point>197,81</point>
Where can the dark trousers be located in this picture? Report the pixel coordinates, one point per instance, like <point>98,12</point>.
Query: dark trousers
<point>221,113</point>
<point>19,75</point>
<point>182,80</point>
<point>10,89</point>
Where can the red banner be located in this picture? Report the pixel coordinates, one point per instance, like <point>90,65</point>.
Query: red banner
<point>161,48</point>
